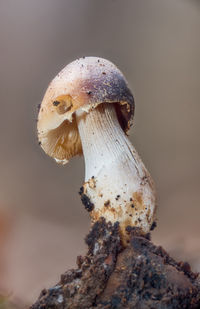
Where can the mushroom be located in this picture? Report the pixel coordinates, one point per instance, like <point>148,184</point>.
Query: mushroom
<point>89,108</point>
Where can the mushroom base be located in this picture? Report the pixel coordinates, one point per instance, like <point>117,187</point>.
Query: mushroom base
<point>131,212</point>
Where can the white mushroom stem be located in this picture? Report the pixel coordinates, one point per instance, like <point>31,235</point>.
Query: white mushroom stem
<point>117,182</point>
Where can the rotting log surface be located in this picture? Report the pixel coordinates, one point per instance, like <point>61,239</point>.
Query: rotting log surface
<point>140,276</point>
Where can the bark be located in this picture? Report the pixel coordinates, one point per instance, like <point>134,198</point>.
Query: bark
<point>140,276</point>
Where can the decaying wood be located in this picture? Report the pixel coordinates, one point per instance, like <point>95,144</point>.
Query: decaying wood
<point>140,276</point>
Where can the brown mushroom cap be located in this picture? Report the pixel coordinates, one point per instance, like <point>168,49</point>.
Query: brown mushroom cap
<point>83,84</point>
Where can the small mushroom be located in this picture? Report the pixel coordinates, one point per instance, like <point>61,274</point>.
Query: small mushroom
<point>89,108</point>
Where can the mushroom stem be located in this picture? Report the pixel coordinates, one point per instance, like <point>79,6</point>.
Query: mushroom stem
<point>117,182</point>
<point>103,141</point>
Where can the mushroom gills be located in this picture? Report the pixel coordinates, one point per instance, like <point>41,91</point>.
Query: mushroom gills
<point>116,180</point>
<point>63,142</point>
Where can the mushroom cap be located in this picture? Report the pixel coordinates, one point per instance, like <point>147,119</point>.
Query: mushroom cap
<point>81,85</point>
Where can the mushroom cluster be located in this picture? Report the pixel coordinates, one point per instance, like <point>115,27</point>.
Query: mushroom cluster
<point>88,108</point>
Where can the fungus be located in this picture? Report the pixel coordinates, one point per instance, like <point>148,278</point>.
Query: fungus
<point>89,108</point>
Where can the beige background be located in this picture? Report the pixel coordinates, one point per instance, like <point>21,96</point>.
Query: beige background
<point>156,44</point>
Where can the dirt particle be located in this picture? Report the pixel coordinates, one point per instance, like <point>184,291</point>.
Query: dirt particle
<point>107,203</point>
<point>81,190</point>
<point>128,229</point>
<point>89,92</point>
<point>79,260</point>
<point>117,197</point>
<point>89,206</point>
<point>56,103</point>
<point>185,266</point>
<point>153,226</point>
<point>144,180</point>
<point>63,104</point>
<point>92,182</point>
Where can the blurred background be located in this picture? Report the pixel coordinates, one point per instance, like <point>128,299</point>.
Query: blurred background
<point>156,44</point>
